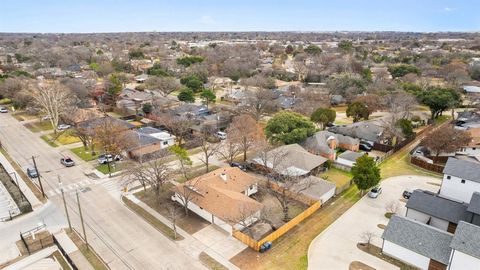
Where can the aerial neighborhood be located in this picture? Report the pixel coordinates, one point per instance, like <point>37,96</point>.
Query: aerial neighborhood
<point>239,150</point>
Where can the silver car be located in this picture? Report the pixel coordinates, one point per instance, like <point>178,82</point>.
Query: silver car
<point>375,192</point>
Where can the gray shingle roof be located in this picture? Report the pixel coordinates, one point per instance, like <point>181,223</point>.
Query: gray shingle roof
<point>420,238</point>
<point>437,206</point>
<point>350,155</point>
<point>363,130</point>
<point>319,145</point>
<point>467,239</point>
<point>463,169</point>
<point>474,205</point>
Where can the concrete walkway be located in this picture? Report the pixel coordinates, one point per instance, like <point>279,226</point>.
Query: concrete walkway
<point>31,259</point>
<point>72,251</point>
<point>189,244</point>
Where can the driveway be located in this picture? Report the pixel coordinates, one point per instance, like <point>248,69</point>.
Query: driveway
<point>335,248</point>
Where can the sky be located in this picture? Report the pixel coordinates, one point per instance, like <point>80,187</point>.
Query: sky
<point>87,16</point>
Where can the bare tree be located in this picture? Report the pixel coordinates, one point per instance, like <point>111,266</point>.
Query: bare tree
<point>178,126</point>
<point>392,207</point>
<point>367,237</point>
<point>164,84</point>
<point>446,140</point>
<point>245,133</point>
<point>246,216</point>
<point>229,149</point>
<point>173,215</point>
<point>53,100</point>
<point>260,102</point>
<point>209,149</point>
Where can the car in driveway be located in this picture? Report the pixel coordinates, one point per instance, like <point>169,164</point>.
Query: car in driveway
<point>374,192</point>
<point>406,194</point>
<point>32,173</point>
<point>3,110</point>
<point>63,127</point>
<point>238,165</point>
<point>366,146</point>
<point>104,159</point>
<point>67,162</point>
<point>221,135</point>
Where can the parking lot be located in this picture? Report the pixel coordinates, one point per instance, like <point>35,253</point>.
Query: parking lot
<point>335,248</point>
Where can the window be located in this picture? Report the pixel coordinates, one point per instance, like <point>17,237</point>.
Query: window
<point>474,148</point>
<point>165,143</point>
<point>448,177</point>
<point>463,181</point>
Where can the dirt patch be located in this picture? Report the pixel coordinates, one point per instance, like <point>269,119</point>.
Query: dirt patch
<point>356,265</point>
<point>190,223</point>
<point>381,226</point>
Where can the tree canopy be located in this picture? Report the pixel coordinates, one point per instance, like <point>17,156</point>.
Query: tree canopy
<point>357,110</point>
<point>323,116</point>
<point>208,96</point>
<point>439,99</point>
<point>446,140</point>
<point>365,173</point>
<point>186,95</point>
<point>403,69</point>
<point>313,49</point>
<point>189,60</point>
<point>192,82</point>
<point>289,127</point>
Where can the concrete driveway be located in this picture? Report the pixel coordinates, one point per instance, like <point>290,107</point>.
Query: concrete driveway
<point>335,248</point>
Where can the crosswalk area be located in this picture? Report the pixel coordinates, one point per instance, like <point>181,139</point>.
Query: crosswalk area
<point>71,188</point>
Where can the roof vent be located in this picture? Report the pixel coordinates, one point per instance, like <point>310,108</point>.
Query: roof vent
<point>223,176</point>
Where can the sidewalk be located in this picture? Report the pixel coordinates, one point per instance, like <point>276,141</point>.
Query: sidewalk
<point>72,251</point>
<point>191,245</point>
<point>34,201</point>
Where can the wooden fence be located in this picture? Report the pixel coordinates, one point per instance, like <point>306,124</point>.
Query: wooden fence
<point>279,232</point>
<point>425,165</point>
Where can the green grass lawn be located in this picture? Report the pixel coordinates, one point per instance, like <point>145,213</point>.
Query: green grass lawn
<point>5,101</point>
<point>39,126</point>
<point>114,167</point>
<point>48,140</point>
<point>84,154</point>
<point>337,176</point>
<point>65,137</point>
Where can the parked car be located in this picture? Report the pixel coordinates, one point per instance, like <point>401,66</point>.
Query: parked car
<point>3,110</point>
<point>365,147</point>
<point>238,165</point>
<point>67,162</point>
<point>63,127</point>
<point>406,194</point>
<point>104,159</point>
<point>221,135</point>
<point>32,173</point>
<point>375,192</point>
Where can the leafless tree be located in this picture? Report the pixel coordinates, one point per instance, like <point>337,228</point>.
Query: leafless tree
<point>229,149</point>
<point>367,237</point>
<point>246,216</point>
<point>392,207</point>
<point>260,102</point>
<point>178,126</point>
<point>164,84</point>
<point>245,133</point>
<point>173,215</point>
<point>53,100</point>
<point>209,149</point>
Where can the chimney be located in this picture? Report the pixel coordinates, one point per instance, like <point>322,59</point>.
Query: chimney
<point>224,176</point>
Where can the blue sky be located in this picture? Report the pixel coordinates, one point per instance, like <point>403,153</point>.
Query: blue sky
<point>241,15</point>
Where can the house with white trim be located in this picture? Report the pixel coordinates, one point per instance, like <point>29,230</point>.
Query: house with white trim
<point>461,178</point>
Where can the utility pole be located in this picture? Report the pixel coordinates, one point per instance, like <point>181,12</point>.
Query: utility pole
<point>81,220</point>
<point>38,176</point>
<point>65,203</point>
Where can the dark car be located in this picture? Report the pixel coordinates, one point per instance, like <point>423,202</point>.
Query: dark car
<point>406,194</point>
<point>32,173</point>
<point>238,165</point>
<point>67,162</point>
<point>365,147</point>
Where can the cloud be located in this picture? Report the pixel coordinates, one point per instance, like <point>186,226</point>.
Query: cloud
<point>447,9</point>
<point>206,19</point>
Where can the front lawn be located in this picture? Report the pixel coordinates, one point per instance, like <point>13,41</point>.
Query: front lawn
<point>48,140</point>
<point>64,137</point>
<point>84,154</point>
<point>39,126</point>
<point>114,167</point>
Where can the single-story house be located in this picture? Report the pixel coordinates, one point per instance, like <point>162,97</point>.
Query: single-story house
<point>80,115</point>
<point>166,139</point>
<point>348,158</point>
<point>93,123</point>
<point>133,99</point>
<point>418,244</point>
<point>289,160</point>
<point>316,188</point>
<point>365,130</point>
<point>148,143</point>
<point>325,143</point>
<point>222,198</point>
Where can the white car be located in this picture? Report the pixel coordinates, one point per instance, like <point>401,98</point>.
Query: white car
<point>221,135</point>
<point>3,110</point>
<point>63,127</point>
<point>375,192</point>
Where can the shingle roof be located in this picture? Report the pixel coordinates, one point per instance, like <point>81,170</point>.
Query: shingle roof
<point>317,187</point>
<point>319,145</point>
<point>437,206</point>
<point>463,169</point>
<point>467,239</point>
<point>350,155</point>
<point>291,160</point>
<point>474,205</point>
<point>420,238</point>
<point>362,130</point>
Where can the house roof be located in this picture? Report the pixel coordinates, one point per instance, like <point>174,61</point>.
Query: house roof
<point>471,89</point>
<point>135,95</point>
<point>318,143</point>
<point>463,169</point>
<point>291,159</point>
<point>467,239</point>
<point>96,122</point>
<point>317,187</point>
<point>474,206</point>
<point>223,198</point>
<point>362,130</point>
<point>137,139</point>
<point>350,155</point>
<point>149,130</point>
<point>434,205</point>
<point>420,238</point>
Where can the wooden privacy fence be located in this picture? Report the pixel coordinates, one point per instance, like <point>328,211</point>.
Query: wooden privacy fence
<point>427,166</point>
<point>252,243</point>
<point>298,196</point>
